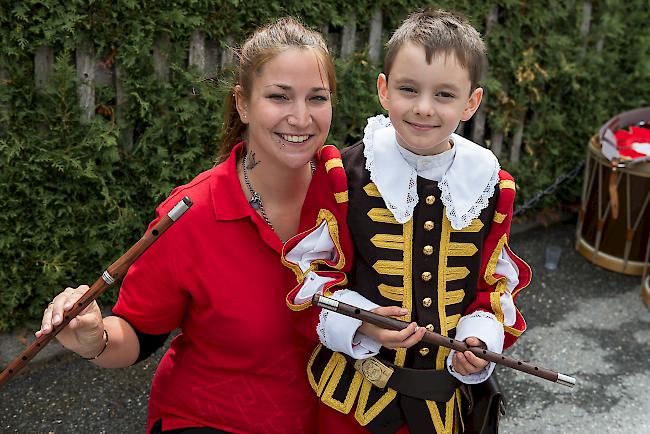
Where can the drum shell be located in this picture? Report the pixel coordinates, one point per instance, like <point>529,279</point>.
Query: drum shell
<point>619,244</point>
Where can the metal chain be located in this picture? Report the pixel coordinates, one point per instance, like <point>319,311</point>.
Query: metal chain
<point>550,189</point>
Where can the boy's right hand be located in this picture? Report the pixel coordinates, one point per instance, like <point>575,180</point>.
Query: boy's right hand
<point>405,338</point>
<point>85,333</point>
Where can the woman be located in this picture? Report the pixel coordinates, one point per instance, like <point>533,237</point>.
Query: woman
<point>239,364</point>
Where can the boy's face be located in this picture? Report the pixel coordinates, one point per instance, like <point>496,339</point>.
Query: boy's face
<point>426,102</point>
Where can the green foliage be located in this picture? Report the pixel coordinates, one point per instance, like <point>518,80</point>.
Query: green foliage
<point>75,197</point>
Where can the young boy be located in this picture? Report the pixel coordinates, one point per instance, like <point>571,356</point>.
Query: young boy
<point>429,215</point>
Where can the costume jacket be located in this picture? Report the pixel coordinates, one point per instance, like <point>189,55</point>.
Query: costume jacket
<point>438,260</point>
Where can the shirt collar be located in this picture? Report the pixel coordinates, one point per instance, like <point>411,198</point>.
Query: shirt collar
<point>431,167</point>
<point>228,198</point>
<point>466,185</point>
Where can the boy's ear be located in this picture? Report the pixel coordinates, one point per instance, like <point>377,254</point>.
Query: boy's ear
<point>240,102</point>
<point>382,90</point>
<point>472,104</point>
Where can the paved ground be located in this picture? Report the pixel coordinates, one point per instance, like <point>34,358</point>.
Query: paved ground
<point>583,321</point>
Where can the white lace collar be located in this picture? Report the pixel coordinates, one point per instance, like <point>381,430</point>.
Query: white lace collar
<point>466,187</point>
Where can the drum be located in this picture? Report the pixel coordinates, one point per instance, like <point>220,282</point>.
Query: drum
<point>613,229</point>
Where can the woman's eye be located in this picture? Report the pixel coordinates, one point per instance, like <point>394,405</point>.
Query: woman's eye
<point>278,96</point>
<point>320,98</point>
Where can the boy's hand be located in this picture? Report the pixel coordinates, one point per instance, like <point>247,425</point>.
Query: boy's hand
<point>466,362</point>
<point>405,338</point>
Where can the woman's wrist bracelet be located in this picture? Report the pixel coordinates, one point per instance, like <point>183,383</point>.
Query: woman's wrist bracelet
<point>103,349</point>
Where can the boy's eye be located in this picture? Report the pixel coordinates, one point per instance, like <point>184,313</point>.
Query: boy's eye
<point>446,94</point>
<point>407,89</point>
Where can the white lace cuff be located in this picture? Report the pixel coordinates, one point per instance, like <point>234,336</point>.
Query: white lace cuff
<point>339,332</point>
<point>485,327</point>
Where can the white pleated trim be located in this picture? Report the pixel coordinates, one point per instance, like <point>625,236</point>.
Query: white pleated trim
<point>466,188</point>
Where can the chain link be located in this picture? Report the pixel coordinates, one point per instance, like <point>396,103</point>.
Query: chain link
<point>550,189</point>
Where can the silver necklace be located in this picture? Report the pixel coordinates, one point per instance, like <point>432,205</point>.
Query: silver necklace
<point>256,200</point>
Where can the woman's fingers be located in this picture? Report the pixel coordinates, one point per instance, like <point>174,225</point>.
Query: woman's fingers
<point>54,312</point>
<point>46,322</point>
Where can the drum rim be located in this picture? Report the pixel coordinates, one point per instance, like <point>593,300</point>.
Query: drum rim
<point>607,261</point>
<point>638,169</point>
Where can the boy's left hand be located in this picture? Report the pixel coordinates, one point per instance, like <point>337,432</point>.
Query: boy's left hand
<point>466,362</point>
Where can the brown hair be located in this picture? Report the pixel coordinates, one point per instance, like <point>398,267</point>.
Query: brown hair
<point>440,32</point>
<point>258,49</point>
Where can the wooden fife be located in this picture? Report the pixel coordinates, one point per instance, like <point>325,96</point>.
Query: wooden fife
<point>439,340</point>
<point>112,275</point>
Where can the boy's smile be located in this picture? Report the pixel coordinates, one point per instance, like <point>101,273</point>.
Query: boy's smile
<point>427,101</point>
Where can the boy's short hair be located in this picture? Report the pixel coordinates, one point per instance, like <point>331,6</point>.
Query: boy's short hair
<point>440,32</point>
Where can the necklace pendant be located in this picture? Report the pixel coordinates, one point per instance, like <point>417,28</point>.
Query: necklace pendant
<point>255,202</point>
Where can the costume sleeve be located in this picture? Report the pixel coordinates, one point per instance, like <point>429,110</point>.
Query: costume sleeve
<point>150,298</point>
<point>493,316</point>
<point>321,256</point>
<point>340,332</point>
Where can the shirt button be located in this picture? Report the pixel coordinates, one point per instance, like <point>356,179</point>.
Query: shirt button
<point>424,351</point>
<point>430,199</point>
<point>429,327</point>
<point>428,250</point>
<point>426,276</point>
<point>427,302</point>
<point>428,225</point>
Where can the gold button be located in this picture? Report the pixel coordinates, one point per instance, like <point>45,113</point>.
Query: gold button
<point>426,276</point>
<point>427,302</point>
<point>424,351</point>
<point>427,250</point>
<point>428,225</point>
<point>430,199</point>
<point>429,327</point>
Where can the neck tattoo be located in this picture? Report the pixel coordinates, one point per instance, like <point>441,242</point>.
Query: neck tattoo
<point>256,200</point>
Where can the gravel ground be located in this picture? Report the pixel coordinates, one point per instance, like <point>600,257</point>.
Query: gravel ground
<point>582,321</point>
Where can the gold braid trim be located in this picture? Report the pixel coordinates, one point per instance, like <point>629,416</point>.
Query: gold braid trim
<point>491,267</point>
<point>498,217</point>
<point>341,197</point>
<point>495,303</point>
<point>334,162</point>
<point>328,394</point>
<point>450,409</point>
<point>372,190</point>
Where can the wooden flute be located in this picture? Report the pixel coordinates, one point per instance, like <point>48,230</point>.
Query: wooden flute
<point>440,340</point>
<point>112,275</point>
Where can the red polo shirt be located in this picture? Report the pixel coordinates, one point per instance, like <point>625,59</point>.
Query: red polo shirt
<point>239,363</point>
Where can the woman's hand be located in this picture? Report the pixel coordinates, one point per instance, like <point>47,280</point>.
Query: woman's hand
<point>405,338</point>
<point>466,362</point>
<point>85,333</point>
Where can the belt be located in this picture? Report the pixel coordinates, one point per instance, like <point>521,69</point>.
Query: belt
<point>427,384</point>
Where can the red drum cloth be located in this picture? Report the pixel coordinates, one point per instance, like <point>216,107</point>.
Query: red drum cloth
<point>627,139</point>
<point>239,363</point>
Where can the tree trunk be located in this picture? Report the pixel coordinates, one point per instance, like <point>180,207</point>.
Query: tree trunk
<point>197,51</point>
<point>374,39</point>
<point>348,36</point>
<point>161,57</point>
<point>43,64</point>
<point>85,60</point>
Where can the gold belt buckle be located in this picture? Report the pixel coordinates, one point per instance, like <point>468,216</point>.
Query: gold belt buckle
<point>374,371</point>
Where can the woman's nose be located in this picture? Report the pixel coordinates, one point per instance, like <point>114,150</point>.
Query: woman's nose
<point>300,117</point>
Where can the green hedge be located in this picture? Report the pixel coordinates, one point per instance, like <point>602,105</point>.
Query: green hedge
<point>73,199</point>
